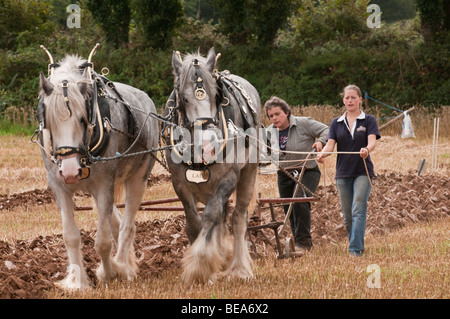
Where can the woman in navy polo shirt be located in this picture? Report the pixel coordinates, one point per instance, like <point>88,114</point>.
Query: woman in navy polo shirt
<point>354,131</point>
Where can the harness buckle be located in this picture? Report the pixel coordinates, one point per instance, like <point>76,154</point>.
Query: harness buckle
<point>101,92</point>
<point>227,102</point>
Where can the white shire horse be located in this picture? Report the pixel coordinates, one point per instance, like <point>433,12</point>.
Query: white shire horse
<point>207,107</point>
<point>83,116</point>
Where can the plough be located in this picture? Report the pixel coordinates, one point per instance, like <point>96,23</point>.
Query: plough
<point>289,249</point>
<point>263,203</point>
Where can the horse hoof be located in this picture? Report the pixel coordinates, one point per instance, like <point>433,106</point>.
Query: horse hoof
<point>70,283</point>
<point>239,273</point>
<point>76,279</point>
<point>117,271</point>
<point>131,275</point>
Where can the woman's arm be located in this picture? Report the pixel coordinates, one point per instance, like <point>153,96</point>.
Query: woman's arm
<point>371,144</point>
<point>329,147</point>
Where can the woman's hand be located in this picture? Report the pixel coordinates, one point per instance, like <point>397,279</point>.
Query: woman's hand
<point>321,158</point>
<point>318,145</point>
<point>329,147</point>
<point>364,152</point>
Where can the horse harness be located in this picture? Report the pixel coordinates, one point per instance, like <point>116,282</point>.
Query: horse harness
<point>176,116</point>
<point>97,133</point>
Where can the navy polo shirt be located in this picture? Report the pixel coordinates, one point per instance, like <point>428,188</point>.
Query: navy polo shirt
<point>352,165</point>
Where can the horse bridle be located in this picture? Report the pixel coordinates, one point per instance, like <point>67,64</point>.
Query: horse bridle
<point>44,134</point>
<point>94,120</point>
<point>173,105</point>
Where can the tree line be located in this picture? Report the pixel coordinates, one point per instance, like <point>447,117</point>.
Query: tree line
<point>302,50</point>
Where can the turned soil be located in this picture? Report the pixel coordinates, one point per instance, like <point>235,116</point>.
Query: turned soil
<point>28,268</point>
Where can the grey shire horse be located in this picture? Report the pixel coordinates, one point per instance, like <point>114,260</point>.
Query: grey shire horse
<point>214,118</point>
<point>83,116</point>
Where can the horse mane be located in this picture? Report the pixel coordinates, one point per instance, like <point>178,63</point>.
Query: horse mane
<point>78,91</point>
<point>187,72</point>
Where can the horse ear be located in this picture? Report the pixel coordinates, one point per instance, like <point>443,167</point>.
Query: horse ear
<point>211,59</point>
<point>45,84</point>
<point>176,63</point>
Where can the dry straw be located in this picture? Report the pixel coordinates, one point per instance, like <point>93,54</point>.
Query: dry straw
<point>413,260</point>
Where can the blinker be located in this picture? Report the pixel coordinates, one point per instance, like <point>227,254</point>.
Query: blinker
<point>65,85</point>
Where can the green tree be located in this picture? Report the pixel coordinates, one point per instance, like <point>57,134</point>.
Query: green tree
<point>24,22</point>
<point>394,10</point>
<point>114,17</point>
<point>269,17</point>
<point>201,10</point>
<point>247,21</point>
<point>233,21</point>
<point>434,18</point>
<point>60,13</point>
<point>319,21</point>
<point>157,20</point>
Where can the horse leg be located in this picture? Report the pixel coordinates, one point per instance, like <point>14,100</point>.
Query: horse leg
<point>184,193</point>
<point>76,274</point>
<point>116,219</point>
<point>241,264</point>
<point>193,220</point>
<point>135,187</point>
<point>207,255</point>
<point>109,269</point>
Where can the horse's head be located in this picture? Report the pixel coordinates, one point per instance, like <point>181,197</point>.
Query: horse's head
<point>196,84</point>
<point>63,99</point>
<point>196,93</point>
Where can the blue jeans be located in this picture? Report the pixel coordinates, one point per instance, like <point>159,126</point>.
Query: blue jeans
<point>354,193</point>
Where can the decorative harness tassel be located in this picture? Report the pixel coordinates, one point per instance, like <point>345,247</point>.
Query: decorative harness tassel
<point>200,93</point>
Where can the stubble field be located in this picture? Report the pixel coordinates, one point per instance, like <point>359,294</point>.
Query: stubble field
<point>407,237</point>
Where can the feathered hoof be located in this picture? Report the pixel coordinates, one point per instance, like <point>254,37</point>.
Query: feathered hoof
<point>131,267</point>
<point>131,273</point>
<point>197,272</point>
<point>118,271</point>
<point>200,268</point>
<point>236,272</point>
<point>191,278</point>
<point>76,279</point>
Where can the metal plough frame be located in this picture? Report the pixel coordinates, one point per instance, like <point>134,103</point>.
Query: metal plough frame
<point>274,225</point>
<point>252,230</point>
